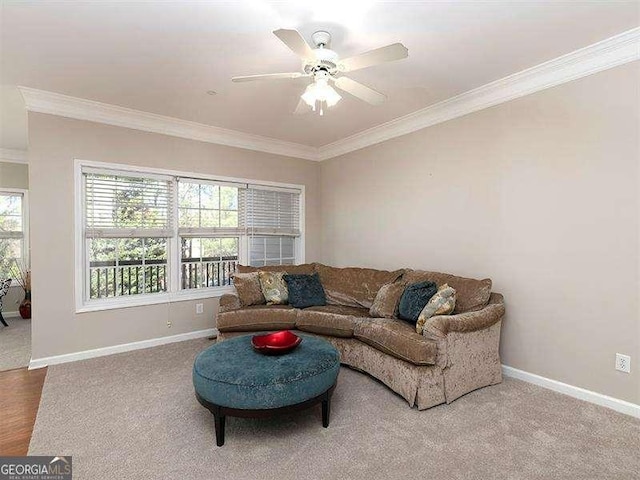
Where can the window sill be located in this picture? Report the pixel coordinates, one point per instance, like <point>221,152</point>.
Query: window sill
<point>153,299</point>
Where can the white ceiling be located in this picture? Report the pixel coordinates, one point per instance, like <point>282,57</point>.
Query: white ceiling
<point>162,57</point>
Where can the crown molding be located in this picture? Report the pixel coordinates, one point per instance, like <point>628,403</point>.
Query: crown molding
<point>11,155</point>
<point>609,53</point>
<point>41,101</point>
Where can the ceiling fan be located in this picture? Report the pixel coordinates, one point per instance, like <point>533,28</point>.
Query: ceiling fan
<point>324,66</point>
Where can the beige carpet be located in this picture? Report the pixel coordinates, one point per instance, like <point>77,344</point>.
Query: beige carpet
<point>134,416</point>
<point>15,343</point>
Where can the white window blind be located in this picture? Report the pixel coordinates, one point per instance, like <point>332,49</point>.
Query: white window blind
<point>272,250</point>
<point>272,211</point>
<point>119,205</point>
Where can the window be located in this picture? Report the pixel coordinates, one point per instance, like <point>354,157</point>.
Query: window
<point>210,229</point>
<point>128,224</point>
<point>150,236</point>
<point>273,223</point>
<point>13,226</point>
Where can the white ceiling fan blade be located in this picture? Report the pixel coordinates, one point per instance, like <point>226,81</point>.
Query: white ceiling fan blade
<point>268,76</point>
<point>390,53</point>
<point>361,91</point>
<point>302,108</point>
<point>293,40</point>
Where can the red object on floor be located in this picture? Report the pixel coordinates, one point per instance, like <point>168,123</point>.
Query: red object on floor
<point>276,343</point>
<point>25,306</point>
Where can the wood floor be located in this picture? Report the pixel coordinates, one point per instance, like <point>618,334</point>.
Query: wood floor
<point>20,391</point>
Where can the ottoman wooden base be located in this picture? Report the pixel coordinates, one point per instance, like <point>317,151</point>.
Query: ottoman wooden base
<point>220,413</point>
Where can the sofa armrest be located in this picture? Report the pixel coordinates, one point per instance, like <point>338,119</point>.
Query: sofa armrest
<point>229,302</point>
<point>492,313</point>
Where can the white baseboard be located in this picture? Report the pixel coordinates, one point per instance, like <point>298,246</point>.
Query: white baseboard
<point>126,347</point>
<point>616,404</point>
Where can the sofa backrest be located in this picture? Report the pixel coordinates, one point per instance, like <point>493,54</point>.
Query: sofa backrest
<point>471,294</point>
<point>352,286</point>
<point>358,287</point>
<point>304,269</point>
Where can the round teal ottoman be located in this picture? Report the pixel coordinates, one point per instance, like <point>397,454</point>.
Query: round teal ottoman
<point>230,378</point>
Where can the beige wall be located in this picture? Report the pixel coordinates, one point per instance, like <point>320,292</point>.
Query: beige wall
<point>541,195</point>
<point>13,175</point>
<point>54,143</point>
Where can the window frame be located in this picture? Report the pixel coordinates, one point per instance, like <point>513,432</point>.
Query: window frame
<point>174,292</point>
<point>26,254</point>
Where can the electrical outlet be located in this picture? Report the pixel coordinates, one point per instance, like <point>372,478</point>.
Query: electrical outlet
<point>623,363</point>
<point>169,323</point>
<point>199,308</point>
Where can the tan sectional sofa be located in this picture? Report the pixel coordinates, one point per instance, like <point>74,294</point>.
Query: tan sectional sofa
<point>456,354</point>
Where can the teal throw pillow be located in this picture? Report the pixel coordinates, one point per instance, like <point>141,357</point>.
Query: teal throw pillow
<point>414,299</point>
<point>305,290</point>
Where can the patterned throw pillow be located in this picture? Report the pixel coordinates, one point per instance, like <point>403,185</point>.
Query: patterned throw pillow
<point>274,288</point>
<point>305,290</point>
<point>413,300</point>
<point>442,303</point>
<point>386,303</point>
<point>248,288</point>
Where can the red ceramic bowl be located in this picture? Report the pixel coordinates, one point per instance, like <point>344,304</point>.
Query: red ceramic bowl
<point>276,343</point>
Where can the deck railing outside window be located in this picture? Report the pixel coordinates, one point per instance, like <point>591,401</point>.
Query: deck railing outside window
<point>136,277</point>
<point>208,272</point>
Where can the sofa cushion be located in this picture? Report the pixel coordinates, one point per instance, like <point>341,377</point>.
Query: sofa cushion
<point>305,290</point>
<point>442,303</point>
<point>258,318</point>
<point>471,294</point>
<point>387,299</point>
<point>332,320</point>
<point>414,298</point>
<point>354,287</point>
<point>248,288</point>
<point>274,288</point>
<point>397,338</point>
<point>304,269</point>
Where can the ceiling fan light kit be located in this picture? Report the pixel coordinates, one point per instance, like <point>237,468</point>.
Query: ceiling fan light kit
<point>324,65</point>
<point>320,92</point>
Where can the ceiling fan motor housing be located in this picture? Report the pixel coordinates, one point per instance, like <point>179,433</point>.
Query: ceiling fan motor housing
<point>325,58</point>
